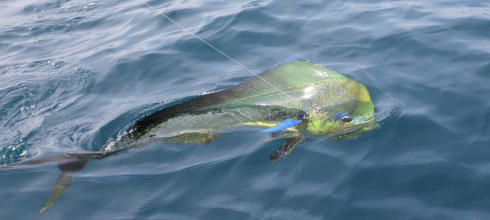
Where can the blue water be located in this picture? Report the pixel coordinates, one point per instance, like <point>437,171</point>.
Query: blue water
<point>73,74</point>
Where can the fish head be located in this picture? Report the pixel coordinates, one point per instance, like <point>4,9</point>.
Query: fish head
<point>352,111</point>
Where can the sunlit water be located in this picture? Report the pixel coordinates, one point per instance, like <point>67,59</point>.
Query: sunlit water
<point>74,74</point>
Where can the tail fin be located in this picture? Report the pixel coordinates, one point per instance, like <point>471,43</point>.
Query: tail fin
<point>68,167</point>
<point>70,163</point>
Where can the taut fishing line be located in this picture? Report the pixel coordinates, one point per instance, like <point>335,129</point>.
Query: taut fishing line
<point>384,111</point>
<point>221,52</point>
<point>370,77</point>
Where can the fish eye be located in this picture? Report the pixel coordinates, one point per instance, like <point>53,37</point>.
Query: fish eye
<point>346,119</point>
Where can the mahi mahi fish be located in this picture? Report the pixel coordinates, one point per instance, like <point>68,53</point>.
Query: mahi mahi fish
<point>293,99</point>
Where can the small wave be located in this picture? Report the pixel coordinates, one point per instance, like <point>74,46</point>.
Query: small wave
<point>31,95</point>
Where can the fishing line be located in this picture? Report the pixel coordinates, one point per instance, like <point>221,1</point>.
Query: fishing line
<point>395,102</point>
<point>221,52</point>
<point>374,82</point>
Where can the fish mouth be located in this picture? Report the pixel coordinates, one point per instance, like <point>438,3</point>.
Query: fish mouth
<point>356,126</point>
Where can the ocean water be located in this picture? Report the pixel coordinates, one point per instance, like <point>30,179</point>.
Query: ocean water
<point>74,74</point>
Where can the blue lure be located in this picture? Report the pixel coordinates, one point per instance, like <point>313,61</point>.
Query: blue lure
<point>290,122</point>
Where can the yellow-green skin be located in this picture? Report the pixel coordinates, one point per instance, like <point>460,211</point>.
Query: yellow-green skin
<point>283,91</point>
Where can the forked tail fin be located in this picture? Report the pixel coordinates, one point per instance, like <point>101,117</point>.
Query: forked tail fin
<point>68,167</point>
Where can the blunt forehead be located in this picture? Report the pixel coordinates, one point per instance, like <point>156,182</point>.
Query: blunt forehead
<point>334,94</point>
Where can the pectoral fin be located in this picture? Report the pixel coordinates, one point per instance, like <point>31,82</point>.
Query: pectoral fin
<point>286,148</point>
<point>68,167</point>
<point>290,122</point>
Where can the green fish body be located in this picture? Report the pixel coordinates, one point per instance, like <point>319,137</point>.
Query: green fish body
<point>319,101</point>
<point>294,88</point>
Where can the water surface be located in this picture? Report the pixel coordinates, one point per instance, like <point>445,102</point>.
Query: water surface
<point>73,74</point>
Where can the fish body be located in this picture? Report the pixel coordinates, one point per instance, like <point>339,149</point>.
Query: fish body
<point>294,98</point>
<point>292,89</point>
